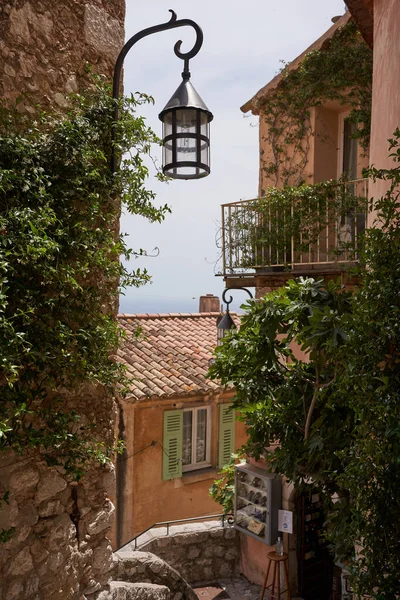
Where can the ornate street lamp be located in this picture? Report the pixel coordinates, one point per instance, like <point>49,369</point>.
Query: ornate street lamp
<point>226,322</point>
<point>186,133</point>
<point>186,119</point>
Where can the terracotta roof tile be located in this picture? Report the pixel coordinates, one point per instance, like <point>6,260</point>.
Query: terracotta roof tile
<point>171,357</point>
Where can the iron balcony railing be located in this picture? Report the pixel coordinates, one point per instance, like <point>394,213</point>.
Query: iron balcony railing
<point>307,226</point>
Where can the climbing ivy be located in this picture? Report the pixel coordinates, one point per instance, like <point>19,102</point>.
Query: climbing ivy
<point>222,490</point>
<point>341,71</point>
<point>370,385</point>
<point>60,267</point>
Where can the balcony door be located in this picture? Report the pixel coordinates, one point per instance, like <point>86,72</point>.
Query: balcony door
<point>348,147</point>
<point>350,225</point>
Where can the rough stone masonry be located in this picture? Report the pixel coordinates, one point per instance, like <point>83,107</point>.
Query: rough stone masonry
<point>59,548</point>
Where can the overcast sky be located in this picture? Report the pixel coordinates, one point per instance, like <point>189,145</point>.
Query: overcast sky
<point>242,49</point>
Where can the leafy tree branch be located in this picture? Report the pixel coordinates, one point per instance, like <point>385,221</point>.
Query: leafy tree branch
<point>332,417</point>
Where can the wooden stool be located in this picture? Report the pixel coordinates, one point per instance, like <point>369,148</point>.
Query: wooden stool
<point>276,559</point>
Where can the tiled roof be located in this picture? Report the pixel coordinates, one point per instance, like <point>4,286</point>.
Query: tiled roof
<point>171,356</point>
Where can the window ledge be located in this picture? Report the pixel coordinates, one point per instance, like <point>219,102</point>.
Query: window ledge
<point>196,476</point>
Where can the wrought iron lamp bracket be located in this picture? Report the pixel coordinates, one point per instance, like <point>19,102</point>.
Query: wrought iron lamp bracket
<point>228,302</point>
<point>185,56</point>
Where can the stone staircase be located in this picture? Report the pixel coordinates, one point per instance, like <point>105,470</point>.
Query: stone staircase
<point>169,561</point>
<point>122,590</point>
<point>145,576</point>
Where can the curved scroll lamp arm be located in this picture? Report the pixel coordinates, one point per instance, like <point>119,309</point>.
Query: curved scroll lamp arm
<point>228,289</point>
<point>226,322</point>
<point>185,56</point>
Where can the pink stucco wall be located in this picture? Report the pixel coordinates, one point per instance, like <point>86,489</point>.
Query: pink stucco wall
<point>386,85</point>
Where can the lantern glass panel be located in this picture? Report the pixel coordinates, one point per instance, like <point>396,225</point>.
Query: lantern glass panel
<point>186,120</point>
<point>167,124</point>
<point>204,125</point>
<point>186,143</point>
<point>168,143</point>
<point>205,154</point>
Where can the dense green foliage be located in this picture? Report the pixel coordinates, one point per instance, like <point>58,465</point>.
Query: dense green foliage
<point>333,420</point>
<point>60,267</point>
<point>340,71</point>
<point>223,488</point>
<point>274,389</point>
<point>370,381</point>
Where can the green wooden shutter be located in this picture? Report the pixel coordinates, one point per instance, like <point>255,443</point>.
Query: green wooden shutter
<point>226,445</point>
<point>172,443</point>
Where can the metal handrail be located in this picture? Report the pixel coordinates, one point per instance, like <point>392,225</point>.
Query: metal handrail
<point>223,517</point>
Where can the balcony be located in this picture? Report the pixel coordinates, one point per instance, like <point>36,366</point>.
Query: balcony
<point>313,230</point>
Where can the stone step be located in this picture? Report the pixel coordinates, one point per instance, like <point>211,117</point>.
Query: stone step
<point>122,590</point>
<point>139,567</point>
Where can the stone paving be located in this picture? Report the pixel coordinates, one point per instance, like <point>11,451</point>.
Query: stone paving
<point>240,589</point>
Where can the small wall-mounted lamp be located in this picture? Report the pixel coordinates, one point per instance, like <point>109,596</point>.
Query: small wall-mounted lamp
<point>226,322</point>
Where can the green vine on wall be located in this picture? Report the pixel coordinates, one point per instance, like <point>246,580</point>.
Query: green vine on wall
<point>60,268</point>
<point>340,71</point>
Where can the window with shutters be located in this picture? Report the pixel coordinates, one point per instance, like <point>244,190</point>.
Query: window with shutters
<point>172,446</point>
<point>188,443</point>
<point>226,434</point>
<point>196,448</point>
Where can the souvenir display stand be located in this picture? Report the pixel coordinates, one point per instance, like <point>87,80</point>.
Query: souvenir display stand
<point>257,501</point>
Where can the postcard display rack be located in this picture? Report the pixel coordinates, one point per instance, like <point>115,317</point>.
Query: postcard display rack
<point>257,501</point>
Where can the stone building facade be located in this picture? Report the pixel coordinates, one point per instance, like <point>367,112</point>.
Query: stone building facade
<point>45,45</point>
<point>177,424</point>
<point>59,547</point>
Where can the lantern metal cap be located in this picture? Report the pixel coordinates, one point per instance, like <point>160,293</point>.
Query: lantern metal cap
<point>185,97</point>
<point>226,322</point>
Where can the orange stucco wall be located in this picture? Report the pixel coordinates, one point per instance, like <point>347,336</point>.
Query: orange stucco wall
<point>323,148</point>
<point>386,86</point>
<point>266,158</point>
<point>144,498</point>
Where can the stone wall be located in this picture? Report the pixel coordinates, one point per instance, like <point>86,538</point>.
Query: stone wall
<point>45,45</point>
<point>59,548</point>
<point>51,554</point>
<point>200,552</point>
